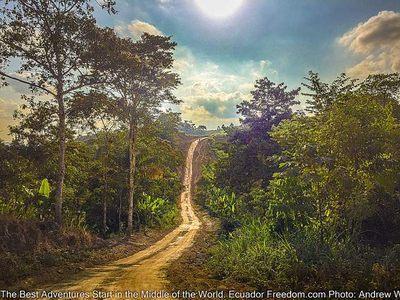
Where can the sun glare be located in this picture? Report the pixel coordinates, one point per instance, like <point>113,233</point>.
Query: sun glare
<point>219,8</point>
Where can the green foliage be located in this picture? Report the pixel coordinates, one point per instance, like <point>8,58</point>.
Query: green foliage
<point>321,95</point>
<point>225,206</point>
<point>97,168</point>
<point>251,255</point>
<point>93,80</point>
<point>44,189</point>
<point>344,166</point>
<point>156,211</point>
<point>190,128</point>
<point>298,260</point>
<point>218,201</point>
<point>329,216</point>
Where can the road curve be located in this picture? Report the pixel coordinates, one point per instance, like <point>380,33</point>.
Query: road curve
<point>144,271</point>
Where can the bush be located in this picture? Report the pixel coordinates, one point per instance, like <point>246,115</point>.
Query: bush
<point>225,206</point>
<point>251,254</point>
<point>155,211</point>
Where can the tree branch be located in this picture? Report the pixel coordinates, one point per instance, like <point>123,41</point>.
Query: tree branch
<point>80,86</point>
<point>32,84</point>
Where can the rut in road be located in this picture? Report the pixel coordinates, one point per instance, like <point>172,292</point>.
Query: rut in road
<point>144,270</point>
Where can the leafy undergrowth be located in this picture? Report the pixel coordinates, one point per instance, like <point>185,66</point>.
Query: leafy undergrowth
<point>35,253</point>
<point>253,255</point>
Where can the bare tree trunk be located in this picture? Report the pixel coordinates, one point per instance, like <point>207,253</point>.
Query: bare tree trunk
<point>61,159</point>
<point>105,208</point>
<point>104,217</point>
<point>120,211</point>
<point>132,167</point>
<point>105,182</point>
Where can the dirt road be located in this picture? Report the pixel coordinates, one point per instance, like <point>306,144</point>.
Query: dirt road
<point>144,271</point>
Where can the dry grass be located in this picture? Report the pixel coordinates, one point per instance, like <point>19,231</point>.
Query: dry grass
<point>34,253</point>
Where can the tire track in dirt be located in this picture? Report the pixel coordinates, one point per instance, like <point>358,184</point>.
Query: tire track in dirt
<point>144,271</point>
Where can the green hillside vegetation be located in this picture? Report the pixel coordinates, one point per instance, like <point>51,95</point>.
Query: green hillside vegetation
<point>313,202</point>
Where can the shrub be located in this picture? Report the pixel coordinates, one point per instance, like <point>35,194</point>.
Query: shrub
<point>155,211</point>
<point>225,206</point>
<point>251,254</point>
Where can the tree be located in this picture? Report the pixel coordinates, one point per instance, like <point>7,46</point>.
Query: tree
<point>51,40</point>
<point>167,124</point>
<point>95,112</point>
<point>382,85</point>
<point>270,104</point>
<point>141,80</point>
<point>190,128</point>
<point>250,148</point>
<point>202,127</point>
<point>322,95</point>
<point>337,161</point>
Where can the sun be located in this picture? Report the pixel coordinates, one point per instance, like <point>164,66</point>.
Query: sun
<point>219,8</point>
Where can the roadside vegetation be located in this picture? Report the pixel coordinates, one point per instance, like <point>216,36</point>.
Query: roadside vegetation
<point>92,152</point>
<point>310,199</point>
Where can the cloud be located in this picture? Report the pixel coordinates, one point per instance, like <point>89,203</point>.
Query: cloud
<point>224,109</point>
<point>377,43</point>
<point>7,109</point>
<point>164,2</point>
<point>10,100</point>
<point>166,5</point>
<point>210,92</point>
<point>136,28</point>
<point>200,116</point>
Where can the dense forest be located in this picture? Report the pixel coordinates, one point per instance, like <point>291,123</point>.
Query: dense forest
<point>310,199</point>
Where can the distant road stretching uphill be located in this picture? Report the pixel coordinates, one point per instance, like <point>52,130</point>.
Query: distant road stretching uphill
<point>143,271</point>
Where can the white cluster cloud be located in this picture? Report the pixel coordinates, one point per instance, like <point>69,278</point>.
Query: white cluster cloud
<point>136,28</point>
<point>164,2</point>
<point>166,5</point>
<point>210,93</point>
<point>377,42</point>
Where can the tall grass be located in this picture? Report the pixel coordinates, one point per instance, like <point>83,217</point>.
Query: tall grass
<point>253,254</point>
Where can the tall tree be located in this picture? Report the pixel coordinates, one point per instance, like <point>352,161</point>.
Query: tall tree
<point>50,39</point>
<point>271,102</point>
<point>94,111</point>
<point>321,95</point>
<point>142,81</point>
<point>251,147</point>
<point>382,85</point>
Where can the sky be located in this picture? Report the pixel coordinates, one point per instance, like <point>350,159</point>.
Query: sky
<point>225,45</point>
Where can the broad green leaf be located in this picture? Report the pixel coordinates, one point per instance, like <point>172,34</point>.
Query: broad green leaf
<point>45,188</point>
